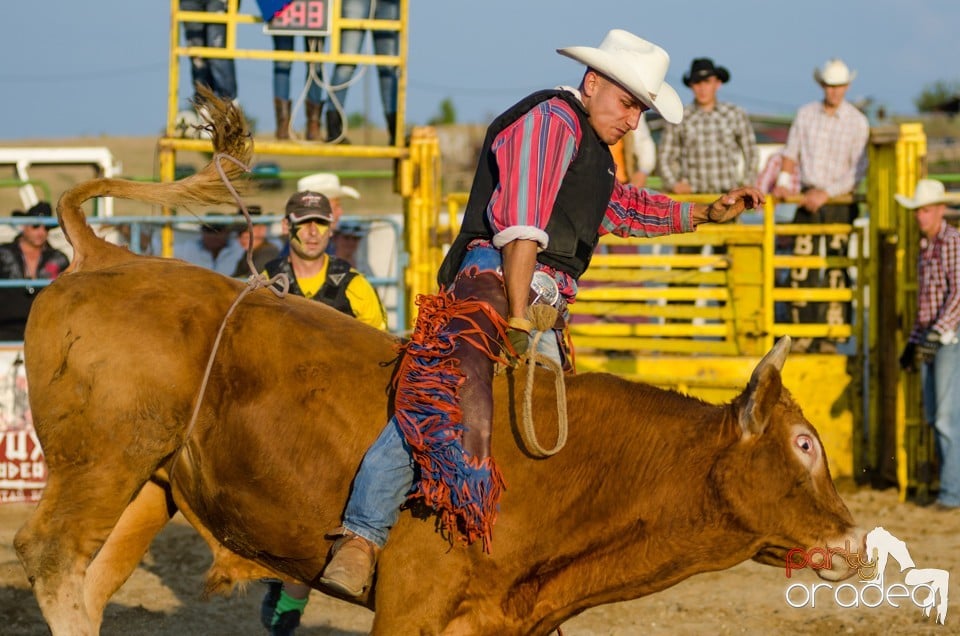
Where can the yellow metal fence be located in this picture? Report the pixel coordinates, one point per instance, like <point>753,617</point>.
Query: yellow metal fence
<point>646,296</point>
<point>233,19</point>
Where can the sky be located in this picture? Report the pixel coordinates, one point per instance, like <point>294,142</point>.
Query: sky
<point>73,69</point>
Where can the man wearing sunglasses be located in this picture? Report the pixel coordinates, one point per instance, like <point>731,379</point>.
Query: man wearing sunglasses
<point>28,256</point>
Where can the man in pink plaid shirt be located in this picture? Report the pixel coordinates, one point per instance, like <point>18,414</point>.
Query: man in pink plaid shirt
<point>828,143</point>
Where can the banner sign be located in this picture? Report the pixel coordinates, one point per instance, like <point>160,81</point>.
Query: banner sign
<point>23,472</point>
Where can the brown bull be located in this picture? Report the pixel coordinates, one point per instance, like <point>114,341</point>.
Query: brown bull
<point>652,487</point>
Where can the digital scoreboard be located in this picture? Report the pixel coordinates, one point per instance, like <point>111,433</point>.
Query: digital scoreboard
<point>301,17</point>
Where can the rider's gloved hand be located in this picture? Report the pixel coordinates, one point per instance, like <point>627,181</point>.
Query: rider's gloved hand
<point>518,333</point>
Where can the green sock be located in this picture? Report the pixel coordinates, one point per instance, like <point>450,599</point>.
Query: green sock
<point>287,603</point>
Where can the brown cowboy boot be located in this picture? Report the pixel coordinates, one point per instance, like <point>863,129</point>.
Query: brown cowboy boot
<point>335,128</point>
<point>281,108</point>
<point>392,128</point>
<point>313,120</point>
<point>350,570</point>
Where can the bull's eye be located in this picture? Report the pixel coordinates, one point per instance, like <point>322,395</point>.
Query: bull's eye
<point>804,443</point>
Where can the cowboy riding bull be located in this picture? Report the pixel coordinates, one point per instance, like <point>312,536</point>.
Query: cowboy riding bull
<point>157,386</point>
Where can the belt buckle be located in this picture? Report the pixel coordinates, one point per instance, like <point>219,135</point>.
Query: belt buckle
<point>546,289</point>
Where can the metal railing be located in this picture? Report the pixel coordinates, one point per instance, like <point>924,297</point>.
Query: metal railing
<point>643,295</point>
<point>390,286</point>
<point>233,19</point>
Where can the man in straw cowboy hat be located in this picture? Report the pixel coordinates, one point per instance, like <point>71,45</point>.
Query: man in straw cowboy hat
<point>828,142</point>
<point>934,335</point>
<point>544,191</point>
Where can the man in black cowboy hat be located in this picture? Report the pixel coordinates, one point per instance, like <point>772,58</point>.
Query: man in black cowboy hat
<point>713,148</point>
<point>28,256</point>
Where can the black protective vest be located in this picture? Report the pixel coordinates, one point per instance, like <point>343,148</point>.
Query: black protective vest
<point>333,292</point>
<point>581,203</point>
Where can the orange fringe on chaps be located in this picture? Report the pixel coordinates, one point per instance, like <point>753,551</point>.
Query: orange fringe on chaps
<point>463,487</point>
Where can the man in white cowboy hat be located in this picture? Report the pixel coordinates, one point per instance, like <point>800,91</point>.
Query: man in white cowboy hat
<point>328,184</point>
<point>714,148</point>
<point>828,143</point>
<point>934,335</point>
<point>544,191</point>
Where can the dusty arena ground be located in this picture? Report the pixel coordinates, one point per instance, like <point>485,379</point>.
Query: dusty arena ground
<point>162,596</point>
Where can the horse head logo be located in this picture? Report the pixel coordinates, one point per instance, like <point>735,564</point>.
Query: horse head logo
<point>881,546</point>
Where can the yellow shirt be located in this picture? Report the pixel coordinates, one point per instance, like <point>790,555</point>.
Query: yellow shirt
<point>363,298</point>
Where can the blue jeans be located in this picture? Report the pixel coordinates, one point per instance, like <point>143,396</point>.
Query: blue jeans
<point>384,43</point>
<point>387,472</point>
<point>941,403</point>
<point>220,76</point>
<point>281,69</point>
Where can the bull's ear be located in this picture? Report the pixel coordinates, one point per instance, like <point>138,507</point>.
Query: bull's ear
<point>763,391</point>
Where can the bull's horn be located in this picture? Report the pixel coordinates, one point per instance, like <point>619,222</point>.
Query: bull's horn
<point>764,389</point>
<point>778,355</point>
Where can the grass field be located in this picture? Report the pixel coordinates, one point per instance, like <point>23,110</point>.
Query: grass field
<point>139,160</point>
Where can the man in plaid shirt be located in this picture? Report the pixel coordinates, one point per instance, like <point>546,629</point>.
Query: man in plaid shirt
<point>934,334</point>
<point>827,141</point>
<point>713,149</point>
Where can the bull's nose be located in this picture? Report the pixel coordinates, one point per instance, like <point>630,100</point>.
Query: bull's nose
<point>849,557</point>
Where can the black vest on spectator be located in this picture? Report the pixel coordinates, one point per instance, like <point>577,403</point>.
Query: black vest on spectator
<point>581,201</point>
<point>333,292</point>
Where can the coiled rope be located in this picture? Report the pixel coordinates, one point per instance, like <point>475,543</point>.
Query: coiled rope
<point>543,317</point>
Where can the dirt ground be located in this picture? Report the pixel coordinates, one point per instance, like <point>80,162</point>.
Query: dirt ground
<point>162,597</point>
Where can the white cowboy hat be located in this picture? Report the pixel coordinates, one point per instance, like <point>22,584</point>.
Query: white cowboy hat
<point>834,73</point>
<point>327,184</point>
<point>928,192</point>
<point>637,65</point>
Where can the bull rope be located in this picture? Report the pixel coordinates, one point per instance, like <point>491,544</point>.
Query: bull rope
<point>543,318</point>
<point>255,281</point>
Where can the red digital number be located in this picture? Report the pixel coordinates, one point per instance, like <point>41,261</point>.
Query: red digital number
<point>308,15</point>
<point>298,14</point>
<point>281,19</point>
<point>316,14</point>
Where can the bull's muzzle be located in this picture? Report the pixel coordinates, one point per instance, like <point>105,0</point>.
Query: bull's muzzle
<point>846,557</point>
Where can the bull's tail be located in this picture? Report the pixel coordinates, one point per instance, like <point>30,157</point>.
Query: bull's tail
<point>228,129</point>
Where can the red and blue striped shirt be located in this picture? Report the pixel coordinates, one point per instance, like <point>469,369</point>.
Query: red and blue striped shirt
<point>533,154</point>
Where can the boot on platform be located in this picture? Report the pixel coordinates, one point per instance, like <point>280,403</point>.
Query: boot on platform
<point>313,120</point>
<point>335,128</point>
<point>392,128</point>
<point>281,107</point>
